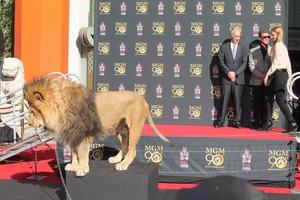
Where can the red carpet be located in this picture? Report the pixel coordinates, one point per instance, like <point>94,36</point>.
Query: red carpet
<point>224,132</point>
<point>22,166</point>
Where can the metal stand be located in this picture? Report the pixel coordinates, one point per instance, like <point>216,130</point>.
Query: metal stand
<point>35,177</point>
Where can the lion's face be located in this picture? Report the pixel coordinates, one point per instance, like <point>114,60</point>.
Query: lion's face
<point>64,108</point>
<point>35,118</point>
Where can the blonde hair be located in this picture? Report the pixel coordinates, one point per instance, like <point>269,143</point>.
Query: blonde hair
<point>278,30</point>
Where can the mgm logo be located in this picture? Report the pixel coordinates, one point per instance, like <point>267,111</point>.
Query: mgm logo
<point>120,68</point>
<point>103,48</point>
<point>178,90</point>
<point>154,153</point>
<point>196,70</point>
<point>194,112</point>
<point>278,159</point>
<point>215,157</point>
<point>215,47</point>
<point>104,8</point>
<point>230,113</point>
<point>158,28</point>
<point>141,7</point>
<point>179,7</point>
<point>218,7</point>
<point>157,69</point>
<point>140,48</point>
<point>276,114</point>
<point>196,28</point>
<point>102,87</point>
<point>216,92</point>
<point>178,48</point>
<point>121,28</point>
<point>96,151</point>
<point>157,111</point>
<point>235,25</point>
<point>272,25</point>
<point>140,89</point>
<point>258,8</point>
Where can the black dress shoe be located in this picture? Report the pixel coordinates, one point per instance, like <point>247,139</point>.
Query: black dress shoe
<point>237,124</point>
<point>292,128</point>
<point>266,127</point>
<point>258,125</point>
<point>219,125</point>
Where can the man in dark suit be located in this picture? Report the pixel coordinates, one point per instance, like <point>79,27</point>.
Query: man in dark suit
<point>233,62</point>
<point>259,64</point>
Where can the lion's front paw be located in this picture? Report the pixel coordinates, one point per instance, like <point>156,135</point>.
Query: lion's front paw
<point>115,159</point>
<point>121,166</point>
<point>71,167</point>
<point>82,171</point>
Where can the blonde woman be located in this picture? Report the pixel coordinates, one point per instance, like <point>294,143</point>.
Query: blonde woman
<point>280,71</point>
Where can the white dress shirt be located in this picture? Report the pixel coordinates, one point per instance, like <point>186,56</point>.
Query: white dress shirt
<point>233,49</point>
<point>280,59</point>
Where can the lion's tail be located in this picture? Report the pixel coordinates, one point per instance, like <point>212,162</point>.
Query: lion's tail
<point>150,120</point>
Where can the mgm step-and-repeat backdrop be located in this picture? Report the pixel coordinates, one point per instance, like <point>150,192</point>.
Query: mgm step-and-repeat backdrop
<point>167,51</point>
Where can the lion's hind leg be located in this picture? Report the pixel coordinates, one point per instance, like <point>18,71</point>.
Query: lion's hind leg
<point>117,158</point>
<point>122,135</point>
<point>134,136</point>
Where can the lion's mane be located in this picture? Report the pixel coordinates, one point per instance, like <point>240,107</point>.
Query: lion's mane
<point>67,108</point>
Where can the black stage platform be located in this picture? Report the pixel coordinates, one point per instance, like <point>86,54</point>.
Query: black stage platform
<point>103,179</point>
<point>139,182</point>
<point>20,190</point>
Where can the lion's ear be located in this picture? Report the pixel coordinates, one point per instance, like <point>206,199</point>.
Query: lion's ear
<point>38,96</point>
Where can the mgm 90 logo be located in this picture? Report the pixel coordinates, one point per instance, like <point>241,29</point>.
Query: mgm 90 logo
<point>216,92</point>
<point>103,48</point>
<point>215,48</point>
<point>196,70</point>
<point>215,157</point>
<point>104,8</point>
<point>178,90</point>
<point>179,7</point>
<point>154,153</point>
<point>141,7</point>
<point>140,89</point>
<point>218,7</point>
<point>157,111</point>
<point>140,48</point>
<point>102,87</point>
<point>157,69</point>
<point>235,25</point>
<point>194,112</point>
<point>278,159</point>
<point>258,8</point>
<point>276,114</point>
<point>178,48</point>
<point>120,68</point>
<point>230,113</point>
<point>96,151</point>
<point>121,28</point>
<point>196,28</point>
<point>272,25</point>
<point>158,28</point>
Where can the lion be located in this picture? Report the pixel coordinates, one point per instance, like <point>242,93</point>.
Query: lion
<point>76,115</point>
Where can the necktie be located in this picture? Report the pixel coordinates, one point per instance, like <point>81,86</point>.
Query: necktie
<point>234,51</point>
